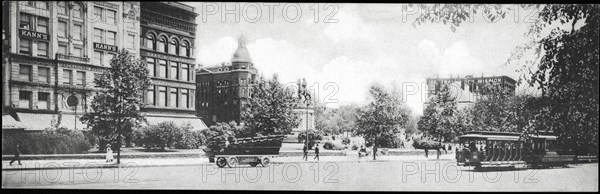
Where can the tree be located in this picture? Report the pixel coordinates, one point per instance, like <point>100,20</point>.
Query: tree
<point>271,109</point>
<point>313,137</point>
<point>115,107</point>
<point>439,116</point>
<point>338,120</point>
<point>564,66</point>
<point>216,136</point>
<point>379,120</point>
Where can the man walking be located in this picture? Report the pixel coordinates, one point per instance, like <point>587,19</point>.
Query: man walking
<point>17,155</point>
<point>317,152</point>
<point>426,153</point>
<point>305,152</point>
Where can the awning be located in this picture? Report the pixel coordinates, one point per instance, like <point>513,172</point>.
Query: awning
<point>8,122</point>
<point>196,122</point>
<point>36,121</point>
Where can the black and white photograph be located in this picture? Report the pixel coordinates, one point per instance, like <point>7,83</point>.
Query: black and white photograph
<point>300,96</point>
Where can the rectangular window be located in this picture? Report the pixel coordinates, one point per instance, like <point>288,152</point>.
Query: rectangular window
<point>151,67</point>
<point>42,49</point>
<point>131,41</point>
<point>62,29</point>
<point>107,58</point>
<point>97,35</point>
<point>77,51</point>
<point>77,12</point>
<point>111,16</point>
<point>62,7</point>
<point>44,74</point>
<point>80,78</point>
<point>62,48</point>
<point>25,72</point>
<point>174,101</point>
<point>185,98</point>
<point>162,68</point>
<point>185,72</point>
<point>67,76</point>
<point>42,25</point>
<point>150,96</point>
<point>162,96</point>
<point>25,21</point>
<point>110,37</point>
<point>43,99</point>
<point>41,4</point>
<point>174,71</point>
<point>25,46</point>
<point>77,31</point>
<point>98,58</point>
<point>25,99</point>
<point>98,14</point>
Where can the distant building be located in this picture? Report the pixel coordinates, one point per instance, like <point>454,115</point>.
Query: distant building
<point>222,90</point>
<point>467,90</point>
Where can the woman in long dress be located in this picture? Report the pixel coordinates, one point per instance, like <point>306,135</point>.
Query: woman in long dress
<point>109,154</point>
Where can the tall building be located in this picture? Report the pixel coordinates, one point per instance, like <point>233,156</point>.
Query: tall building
<point>467,90</point>
<point>167,46</point>
<point>55,51</point>
<point>222,90</point>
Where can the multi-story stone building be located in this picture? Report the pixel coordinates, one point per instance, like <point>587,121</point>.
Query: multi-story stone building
<point>467,90</point>
<point>56,50</point>
<point>224,89</point>
<point>167,46</point>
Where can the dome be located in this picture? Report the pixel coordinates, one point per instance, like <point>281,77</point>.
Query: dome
<point>241,54</point>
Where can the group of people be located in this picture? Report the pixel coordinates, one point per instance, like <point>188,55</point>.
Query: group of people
<point>305,149</point>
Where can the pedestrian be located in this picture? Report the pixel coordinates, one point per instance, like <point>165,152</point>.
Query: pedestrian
<point>426,153</point>
<point>316,152</point>
<point>17,155</point>
<point>446,149</point>
<point>305,152</point>
<point>450,148</point>
<point>109,153</point>
<point>438,152</point>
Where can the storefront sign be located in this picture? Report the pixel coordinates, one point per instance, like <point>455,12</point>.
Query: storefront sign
<point>33,34</point>
<point>106,47</point>
<point>174,84</point>
<point>166,57</point>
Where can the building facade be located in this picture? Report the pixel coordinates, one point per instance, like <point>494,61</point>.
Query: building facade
<point>168,32</point>
<point>222,90</point>
<point>56,50</point>
<point>467,90</point>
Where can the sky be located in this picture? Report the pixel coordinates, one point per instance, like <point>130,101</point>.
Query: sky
<point>343,48</point>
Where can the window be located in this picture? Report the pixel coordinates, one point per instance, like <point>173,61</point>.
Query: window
<point>151,43</point>
<point>62,48</point>
<point>80,78</point>
<point>43,98</point>
<point>25,46</point>
<point>174,71</point>
<point>62,29</point>
<point>98,58</point>
<point>44,74</point>
<point>151,66</point>
<point>110,16</point>
<point>107,58</point>
<point>25,22</point>
<point>173,46</point>
<point>25,72</point>
<point>162,96</point>
<point>130,41</point>
<point>62,8</point>
<point>42,49</point>
<point>97,35</point>
<point>183,51</point>
<point>77,12</point>
<point>185,72</point>
<point>25,99</point>
<point>42,25</point>
<point>98,14</point>
<point>78,51</point>
<point>174,101</point>
<point>67,76</point>
<point>110,37</point>
<point>185,98</point>
<point>150,96</point>
<point>77,32</point>
<point>41,4</point>
<point>162,71</point>
<point>162,45</point>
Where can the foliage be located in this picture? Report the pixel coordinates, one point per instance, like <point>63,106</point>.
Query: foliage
<point>164,134</point>
<point>329,145</point>
<point>313,137</point>
<point>216,135</point>
<point>345,140</point>
<point>115,106</point>
<point>47,142</point>
<point>189,139</point>
<point>271,109</point>
<point>381,118</point>
<point>336,121</point>
<point>438,117</point>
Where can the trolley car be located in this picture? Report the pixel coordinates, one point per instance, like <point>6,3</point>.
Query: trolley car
<point>485,148</point>
<point>250,150</point>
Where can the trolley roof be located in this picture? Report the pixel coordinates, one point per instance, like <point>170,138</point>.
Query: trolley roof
<point>502,136</point>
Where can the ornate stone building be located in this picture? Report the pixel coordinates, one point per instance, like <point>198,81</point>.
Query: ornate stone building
<point>222,90</point>
<point>467,90</point>
<point>56,50</point>
<point>167,46</point>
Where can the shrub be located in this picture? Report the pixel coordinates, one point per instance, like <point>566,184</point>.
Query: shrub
<point>313,137</point>
<point>354,147</point>
<point>162,135</point>
<point>346,140</point>
<point>216,135</point>
<point>47,142</point>
<point>332,146</point>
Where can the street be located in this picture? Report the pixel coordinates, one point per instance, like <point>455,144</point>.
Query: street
<point>338,176</point>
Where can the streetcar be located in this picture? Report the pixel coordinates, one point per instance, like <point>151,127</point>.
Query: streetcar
<point>247,151</point>
<point>487,149</point>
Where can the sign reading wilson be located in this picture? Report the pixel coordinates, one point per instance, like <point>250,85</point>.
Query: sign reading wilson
<point>105,47</point>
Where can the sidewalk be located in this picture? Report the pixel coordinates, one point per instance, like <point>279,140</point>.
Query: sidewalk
<point>355,158</point>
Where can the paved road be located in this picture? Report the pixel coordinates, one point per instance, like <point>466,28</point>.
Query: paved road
<point>346,176</point>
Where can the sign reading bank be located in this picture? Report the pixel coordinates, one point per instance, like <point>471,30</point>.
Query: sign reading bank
<point>105,47</point>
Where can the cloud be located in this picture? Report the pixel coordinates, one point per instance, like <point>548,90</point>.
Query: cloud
<point>349,27</point>
<point>220,51</point>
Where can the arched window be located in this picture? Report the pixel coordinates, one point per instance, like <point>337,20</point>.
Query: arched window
<point>162,44</point>
<point>150,42</point>
<point>77,11</point>
<point>185,49</point>
<point>173,47</point>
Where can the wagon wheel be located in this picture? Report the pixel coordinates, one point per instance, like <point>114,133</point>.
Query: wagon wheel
<point>265,162</point>
<point>232,162</point>
<point>221,162</point>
